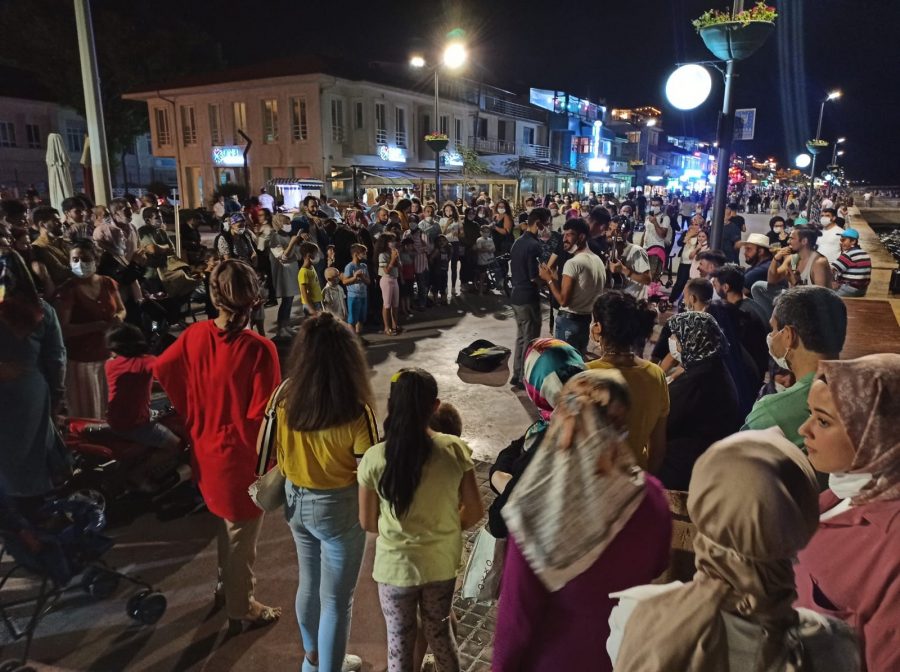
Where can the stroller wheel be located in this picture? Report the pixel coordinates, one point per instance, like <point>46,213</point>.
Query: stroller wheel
<point>146,606</point>
<point>98,582</point>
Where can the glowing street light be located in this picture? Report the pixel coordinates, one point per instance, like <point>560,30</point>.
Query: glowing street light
<point>651,122</point>
<point>417,62</point>
<point>455,55</point>
<point>802,160</point>
<point>840,153</point>
<point>834,94</point>
<point>688,86</point>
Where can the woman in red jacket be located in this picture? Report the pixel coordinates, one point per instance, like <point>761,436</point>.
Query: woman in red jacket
<point>219,375</point>
<point>851,568</point>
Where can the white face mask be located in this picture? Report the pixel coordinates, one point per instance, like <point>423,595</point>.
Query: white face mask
<point>825,221</point>
<point>779,387</point>
<point>286,228</point>
<point>501,211</point>
<point>780,361</point>
<point>653,210</point>
<point>846,486</point>
<point>673,349</point>
<point>83,269</point>
<point>429,218</point>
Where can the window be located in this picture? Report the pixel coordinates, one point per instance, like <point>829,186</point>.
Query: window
<point>269,110</point>
<point>33,135</point>
<point>528,135</point>
<point>426,123</point>
<point>358,115</point>
<point>188,126</point>
<point>380,124</point>
<point>163,137</point>
<point>240,119</point>
<point>606,146</point>
<point>401,127</point>
<point>7,134</point>
<point>215,124</point>
<point>481,128</point>
<point>634,137</point>
<point>445,124</point>
<point>337,120</point>
<point>501,130</point>
<point>298,119</point>
<point>458,130</point>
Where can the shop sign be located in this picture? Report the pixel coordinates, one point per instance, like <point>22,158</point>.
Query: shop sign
<point>395,154</point>
<point>232,155</point>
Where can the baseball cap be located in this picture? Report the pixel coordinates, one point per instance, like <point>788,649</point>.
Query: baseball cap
<point>236,218</point>
<point>850,233</point>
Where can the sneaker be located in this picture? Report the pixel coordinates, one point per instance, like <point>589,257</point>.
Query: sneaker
<point>351,664</point>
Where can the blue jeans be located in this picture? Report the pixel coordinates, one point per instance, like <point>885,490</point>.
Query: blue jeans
<point>573,330</point>
<point>284,310</point>
<point>330,544</point>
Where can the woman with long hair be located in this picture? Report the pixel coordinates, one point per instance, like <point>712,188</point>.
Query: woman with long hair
<point>753,499</point>
<point>219,376</point>
<point>451,227</point>
<point>325,424</point>
<point>32,371</point>
<point>88,305</point>
<point>418,492</point>
<point>389,269</point>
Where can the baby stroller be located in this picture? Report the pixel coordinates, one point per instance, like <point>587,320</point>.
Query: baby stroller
<point>53,546</point>
<point>498,275</point>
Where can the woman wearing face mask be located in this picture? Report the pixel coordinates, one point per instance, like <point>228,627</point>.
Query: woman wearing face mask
<point>704,400</point>
<point>451,227</point>
<point>778,235</point>
<point>32,370</point>
<point>235,241</point>
<point>87,305</point>
<point>284,272</point>
<point>851,568</point>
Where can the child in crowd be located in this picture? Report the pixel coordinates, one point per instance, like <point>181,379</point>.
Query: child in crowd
<point>333,295</point>
<point>356,279</point>
<point>417,490</point>
<point>440,268</point>
<point>308,279</point>
<point>484,248</point>
<point>129,378</point>
<point>446,420</point>
<point>329,257</point>
<point>407,275</point>
<point>388,270</point>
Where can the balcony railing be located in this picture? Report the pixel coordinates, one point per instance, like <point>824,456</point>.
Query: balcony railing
<point>510,109</point>
<point>381,136</point>
<point>492,145</point>
<point>401,138</point>
<point>538,152</point>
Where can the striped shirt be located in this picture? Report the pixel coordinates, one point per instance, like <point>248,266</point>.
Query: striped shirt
<point>853,268</point>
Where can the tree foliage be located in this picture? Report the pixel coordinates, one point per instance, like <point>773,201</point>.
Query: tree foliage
<point>135,48</point>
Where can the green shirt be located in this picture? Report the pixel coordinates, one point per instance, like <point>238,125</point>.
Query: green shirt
<point>308,277</point>
<point>787,409</point>
<point>426,544</point>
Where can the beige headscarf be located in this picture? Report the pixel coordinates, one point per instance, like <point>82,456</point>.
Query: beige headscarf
<point>866,392</point>
<point>754,500</point>
<point>234,289</point>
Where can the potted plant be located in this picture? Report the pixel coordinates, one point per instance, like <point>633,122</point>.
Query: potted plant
<point>437,141</point>
<point>816,146</point>
<point>736,36</point>
<point>634,165</point>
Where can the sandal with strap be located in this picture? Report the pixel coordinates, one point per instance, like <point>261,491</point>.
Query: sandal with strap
<point>266,616</point>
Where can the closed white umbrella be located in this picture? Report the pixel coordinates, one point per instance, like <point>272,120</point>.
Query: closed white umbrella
<point>60,179</point>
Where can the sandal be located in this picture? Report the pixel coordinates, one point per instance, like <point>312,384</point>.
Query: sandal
<point>266,616</point>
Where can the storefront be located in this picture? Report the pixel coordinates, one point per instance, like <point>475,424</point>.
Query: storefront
<point>293,190</point>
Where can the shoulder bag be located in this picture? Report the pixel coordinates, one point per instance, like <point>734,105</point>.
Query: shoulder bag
<point>267,491</point>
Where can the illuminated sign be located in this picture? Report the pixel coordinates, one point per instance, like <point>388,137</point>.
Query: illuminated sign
<point>396,154</point>
<point>692,174</point>
<point>232,155</point>
<point>452,158</point>
<point>598,165</point>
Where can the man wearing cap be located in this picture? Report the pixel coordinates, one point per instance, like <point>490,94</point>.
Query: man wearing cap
<point>758,257</point>
<point>853,268</point>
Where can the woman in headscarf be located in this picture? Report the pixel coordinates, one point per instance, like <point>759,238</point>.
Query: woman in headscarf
<point>219,375</point>
<point>549,363</point>
<point>703,400</point>
<point>32,371</point>
<point>851,568</point>
<point>753,500</point>
<point>584,522</point>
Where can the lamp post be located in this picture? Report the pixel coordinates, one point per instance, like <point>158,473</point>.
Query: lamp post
<point>834,153</point>
<point>833,95</point>
<point>454,57</point>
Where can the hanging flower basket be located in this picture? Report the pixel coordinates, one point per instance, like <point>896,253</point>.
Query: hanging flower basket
<point>816,146</point>
<point>634,165</point>
<point>437,141</point>
<point>734,37</point>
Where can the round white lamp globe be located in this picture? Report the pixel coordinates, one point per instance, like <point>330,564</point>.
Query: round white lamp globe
<point>803,160</point>
<point>688,86</point>
<point>455,55</point>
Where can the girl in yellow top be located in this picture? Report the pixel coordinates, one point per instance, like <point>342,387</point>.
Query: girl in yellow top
<point>418,492</point>
<point>324,425</point>
<point>308,279</point>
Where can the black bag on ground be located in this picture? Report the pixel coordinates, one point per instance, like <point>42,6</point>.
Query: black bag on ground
<point>482,355</point>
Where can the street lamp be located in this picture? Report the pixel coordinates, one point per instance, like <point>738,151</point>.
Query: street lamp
<point>802,160</point>
<point>454,57</point>
<point>832,95</point>
<point>835,153</point>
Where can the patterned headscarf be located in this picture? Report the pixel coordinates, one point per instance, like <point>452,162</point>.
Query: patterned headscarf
<point>234,288</point>
<point>700,336</point>
<point>549,363</point>
<point>754,500</point>
<point>866,392</point>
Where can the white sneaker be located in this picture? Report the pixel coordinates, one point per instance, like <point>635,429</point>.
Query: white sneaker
<point>351,664</point>
<point>284,334</point>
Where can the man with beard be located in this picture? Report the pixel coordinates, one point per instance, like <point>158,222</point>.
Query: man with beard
<point>758,257</point>
<point>50,248</point>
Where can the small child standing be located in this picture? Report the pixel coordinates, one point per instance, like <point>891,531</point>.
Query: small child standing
<point>308,279</point>
<point>484,248</point>
<point>407,275</point>
<point>440,269</point>
<point>356,279</point>
<point>333,295</point>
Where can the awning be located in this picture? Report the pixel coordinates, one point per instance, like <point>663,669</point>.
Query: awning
<point>371,176</point>
<point>295,183</point>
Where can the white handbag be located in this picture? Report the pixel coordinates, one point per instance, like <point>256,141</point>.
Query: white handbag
<point>267,491</point>
<point>484,568</point>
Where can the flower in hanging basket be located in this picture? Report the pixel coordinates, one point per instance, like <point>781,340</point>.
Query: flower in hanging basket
<point>817,143</point>
<point>714,17</point>
<point>437,136</point>
<point>636,164</point>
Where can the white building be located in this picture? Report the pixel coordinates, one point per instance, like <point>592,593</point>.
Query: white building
<point>308,118</point>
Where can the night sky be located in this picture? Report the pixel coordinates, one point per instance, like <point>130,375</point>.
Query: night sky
<point>619,51</point>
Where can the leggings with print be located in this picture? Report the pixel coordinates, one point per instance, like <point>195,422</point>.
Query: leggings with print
<point>399,606</point>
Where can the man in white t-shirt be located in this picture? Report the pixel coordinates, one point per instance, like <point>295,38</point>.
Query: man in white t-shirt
<point>583,278</point>
<point>829,243</point>
<point>634,264</point>
<point>266,202</point>
<point>657,234</point>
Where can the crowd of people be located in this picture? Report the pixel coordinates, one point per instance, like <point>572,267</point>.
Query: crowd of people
<point>742,402</point>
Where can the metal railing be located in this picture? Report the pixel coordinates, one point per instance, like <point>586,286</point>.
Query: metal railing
<point>510,109</point>
<point>381,136</point>
<point>401,138</point>
<point>539,152</point>
<point>492,145</point>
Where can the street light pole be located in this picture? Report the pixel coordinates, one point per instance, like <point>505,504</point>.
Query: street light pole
<point>812,167</point>
<point>834,153</point>
<point>724,138</point>
<point>437,153</point>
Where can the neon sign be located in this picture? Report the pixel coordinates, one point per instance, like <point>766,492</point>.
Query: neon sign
<point>387,153</point>
<point>232,155</point>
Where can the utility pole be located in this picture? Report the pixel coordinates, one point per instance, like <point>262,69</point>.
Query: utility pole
<point>93,102</point>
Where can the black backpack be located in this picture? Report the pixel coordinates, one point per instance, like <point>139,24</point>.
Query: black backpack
<point>482,356</point>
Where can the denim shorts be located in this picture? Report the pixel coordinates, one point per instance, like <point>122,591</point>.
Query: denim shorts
<point>357,306</point>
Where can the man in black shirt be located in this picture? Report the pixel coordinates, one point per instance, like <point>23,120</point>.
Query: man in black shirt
<point>525,298</point>
<point>598,221</point>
